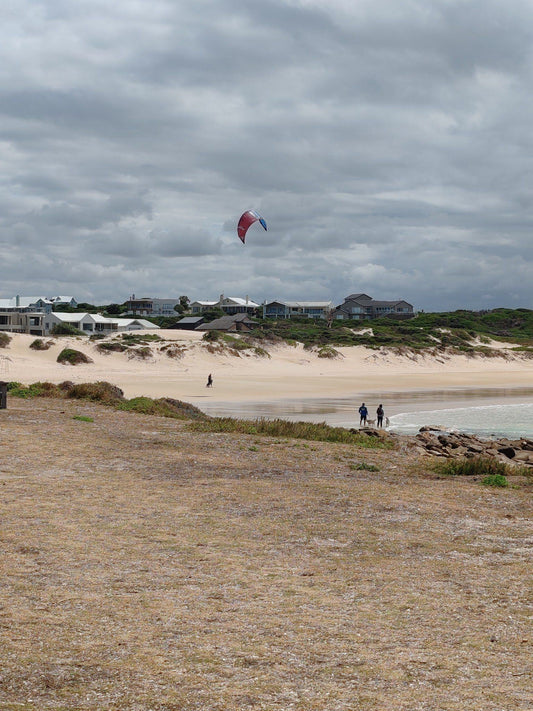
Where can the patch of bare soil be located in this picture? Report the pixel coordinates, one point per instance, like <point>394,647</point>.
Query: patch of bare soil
<point>148,568</point>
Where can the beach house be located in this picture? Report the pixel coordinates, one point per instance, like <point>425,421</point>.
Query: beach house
<point>360,307</point>
<point>288,309</point>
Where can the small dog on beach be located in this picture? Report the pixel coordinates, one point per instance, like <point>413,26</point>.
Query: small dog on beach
<point>370,422</point>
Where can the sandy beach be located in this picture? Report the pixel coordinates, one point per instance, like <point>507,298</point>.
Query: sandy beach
<point>287,372</point>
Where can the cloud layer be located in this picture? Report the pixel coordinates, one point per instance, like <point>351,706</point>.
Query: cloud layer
<point>388,146</point>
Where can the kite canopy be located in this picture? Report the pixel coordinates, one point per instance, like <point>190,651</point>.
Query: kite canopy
<point>248,218</point>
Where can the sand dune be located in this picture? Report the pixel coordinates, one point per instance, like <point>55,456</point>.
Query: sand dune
<point>289,372</point>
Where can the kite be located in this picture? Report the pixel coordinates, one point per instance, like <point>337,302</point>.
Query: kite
<point>248,218</point>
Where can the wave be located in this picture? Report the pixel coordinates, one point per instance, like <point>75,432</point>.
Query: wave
<point>501,420</point>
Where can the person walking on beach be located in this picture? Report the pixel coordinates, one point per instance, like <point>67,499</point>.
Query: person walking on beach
<point>380,412</point>
<point>209,381</point>
<point>363,414</point>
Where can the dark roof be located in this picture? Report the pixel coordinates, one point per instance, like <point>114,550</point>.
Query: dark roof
<point>358,297</point>
<point>225,322</point>
<point>191,319</point>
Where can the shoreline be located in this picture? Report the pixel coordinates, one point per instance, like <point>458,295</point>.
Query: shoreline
<point>290,374</point>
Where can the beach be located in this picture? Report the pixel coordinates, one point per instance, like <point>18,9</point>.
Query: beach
<point>287,381</point>
<point>286,372</point>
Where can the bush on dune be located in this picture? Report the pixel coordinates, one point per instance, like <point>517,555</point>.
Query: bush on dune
<point>70,356</point>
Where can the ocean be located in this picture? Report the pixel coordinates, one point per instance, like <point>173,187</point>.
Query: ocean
<point>501,420</point>
<point>485,412</point>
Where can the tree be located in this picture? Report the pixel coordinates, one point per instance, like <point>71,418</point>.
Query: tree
<point>183,305</point>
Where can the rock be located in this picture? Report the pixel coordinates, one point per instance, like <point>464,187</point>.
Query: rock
<point>507,451</point>
<point>523,456</point>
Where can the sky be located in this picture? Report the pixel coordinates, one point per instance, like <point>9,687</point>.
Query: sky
<point>387,144</point>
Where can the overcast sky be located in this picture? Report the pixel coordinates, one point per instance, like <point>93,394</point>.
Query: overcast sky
<point>388,144</point>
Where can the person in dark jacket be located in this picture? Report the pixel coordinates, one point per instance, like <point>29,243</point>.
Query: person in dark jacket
<point>209,381</point>
<point>380,413</point>
<point>363,414</point>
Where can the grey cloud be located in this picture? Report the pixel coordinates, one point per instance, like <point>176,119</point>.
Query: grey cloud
<point>388,146</point>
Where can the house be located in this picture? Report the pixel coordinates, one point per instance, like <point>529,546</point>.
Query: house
<point>151,307</point>
<point>235,305</point>
<point>26,303</point>
<point>360,307</point>
<point>132,324</point>
<point>234,322</point>
<point>24,314</point>
<point>58,301</point>
<point>189,323</point>
<point>229,304</point>
<point>95,323</point>
<point>288,309</point>
<point>198,307</point>
<point>26,321</point>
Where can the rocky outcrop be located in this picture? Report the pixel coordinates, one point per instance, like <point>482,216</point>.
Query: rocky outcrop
<point>441,443</point>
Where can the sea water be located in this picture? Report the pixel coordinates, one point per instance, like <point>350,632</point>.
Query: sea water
<point>501,420</point>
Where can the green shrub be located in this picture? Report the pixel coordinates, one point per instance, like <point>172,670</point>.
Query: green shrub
<point>363,466</point>
<point>66,329</point>
<point>163,407</point>
<point>34,390</point>
<point>211,336</point>
<point>4,340</point>
<point>476,466</point>
<point>111,347</point>
<point>328,352</point>
<point>135,339</point>
<point>71,356</point>
<point>495,480</point>
<point>295,430</point>
<point>100,391</point>
<point>39,345</point>
<point>83,418</point>
<point>143,353</point>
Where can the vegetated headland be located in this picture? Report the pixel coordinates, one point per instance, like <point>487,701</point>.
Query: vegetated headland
<point>156,558</point>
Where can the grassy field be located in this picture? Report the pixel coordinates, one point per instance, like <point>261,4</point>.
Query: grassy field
<point>146,567</point>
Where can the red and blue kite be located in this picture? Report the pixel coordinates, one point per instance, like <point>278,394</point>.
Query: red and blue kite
<point>248,218</point>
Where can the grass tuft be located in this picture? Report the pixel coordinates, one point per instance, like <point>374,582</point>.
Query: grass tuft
<point>320,432</point>
<point>497,480</point>
<point>363,466</point>
<point>476,466</point>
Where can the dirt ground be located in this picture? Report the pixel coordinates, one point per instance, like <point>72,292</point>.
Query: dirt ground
<point>148,568</point>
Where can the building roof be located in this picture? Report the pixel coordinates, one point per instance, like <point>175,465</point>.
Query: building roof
<point>358,297</point>
<point>238,301</point>
<point>72,317</point>
<point>225,322</point>
<point>128,321</point>
<point>23,302</point>
<point>191,319</point>
<point>303,304</point>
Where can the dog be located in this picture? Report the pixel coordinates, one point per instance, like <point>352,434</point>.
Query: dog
<point>370,422</point>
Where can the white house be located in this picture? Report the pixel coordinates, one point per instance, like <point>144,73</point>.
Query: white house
<point>95,323</point>
<point>229,304</point>
<point>197,307</point>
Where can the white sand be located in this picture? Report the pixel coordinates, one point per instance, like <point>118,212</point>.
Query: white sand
<point>290,372</point>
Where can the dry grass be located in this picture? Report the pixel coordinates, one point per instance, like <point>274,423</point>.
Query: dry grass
<point>149,568</point>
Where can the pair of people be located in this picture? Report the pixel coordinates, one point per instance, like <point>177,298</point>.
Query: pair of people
<point>363,415</point>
